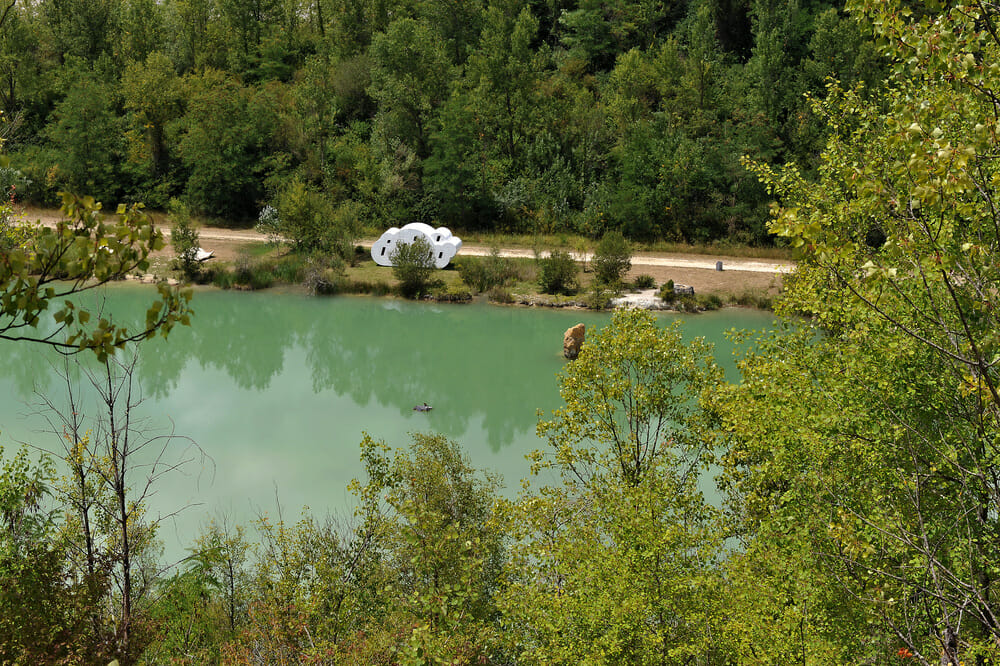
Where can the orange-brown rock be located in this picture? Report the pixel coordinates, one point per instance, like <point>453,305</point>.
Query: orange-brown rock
<point>572,341</point>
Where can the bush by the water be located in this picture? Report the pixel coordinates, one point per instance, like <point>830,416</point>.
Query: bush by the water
<point>412,265</point>
<point>500,295</point>
<point>612,259</point>
<point>184,239</point>
<point>310,221</point>
<point>710,301</point>
<point>667,291</point>
<point>754,298</point>
<point>599,297</point>
<point>254,273</point>
<point>485,273</point>
<point>557,273</point>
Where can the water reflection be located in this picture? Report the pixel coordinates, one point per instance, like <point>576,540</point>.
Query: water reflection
<point>479,367</point>
<point>482,368</point>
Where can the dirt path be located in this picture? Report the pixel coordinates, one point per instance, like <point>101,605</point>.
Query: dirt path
<point>672,260</point>
<point>738,274</point>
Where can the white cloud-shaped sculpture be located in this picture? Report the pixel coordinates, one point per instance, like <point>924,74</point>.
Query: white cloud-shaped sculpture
<point>443,244</point>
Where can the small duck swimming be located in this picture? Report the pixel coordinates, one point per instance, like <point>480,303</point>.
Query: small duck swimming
<point>423,408</point>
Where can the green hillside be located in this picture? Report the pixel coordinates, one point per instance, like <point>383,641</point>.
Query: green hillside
<point>540,117</point>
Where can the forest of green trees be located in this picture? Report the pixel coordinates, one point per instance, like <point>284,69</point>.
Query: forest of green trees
<point>857,456</point>
<point>558,116</point>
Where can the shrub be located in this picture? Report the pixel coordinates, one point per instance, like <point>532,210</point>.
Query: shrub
<point>500,295</point>
<point>251,273</point>
<point>268,223</point>
<point>488,272</point>
<point>221,278</point>
<point>613,258</point>
<point>184,239</point>
<point>261,277</point>
<point>645,281</point>
<point>686,303</point>
<point>709,301</point>
<point>667,291</point>
<point>304,217</point>
<point>412,265</point>
<point>454,294</point>
<point>13,235</point>
<point>754,298</point>
<point>14,183</point>
<point>599,298</point>
<point>557,273</point>
<point>308,219</point>
<point>321,282</point>
<point>473,272</point>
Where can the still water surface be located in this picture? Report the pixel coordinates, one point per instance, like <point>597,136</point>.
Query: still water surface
<point>278,388</point>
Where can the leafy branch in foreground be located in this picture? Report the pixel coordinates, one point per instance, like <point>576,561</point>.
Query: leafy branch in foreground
<point>83,251</point>
<point>898,447</point>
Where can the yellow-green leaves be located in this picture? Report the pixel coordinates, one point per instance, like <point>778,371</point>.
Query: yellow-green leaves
<point>881,436</point>
<point>82,251</point>
<point>632,392</point>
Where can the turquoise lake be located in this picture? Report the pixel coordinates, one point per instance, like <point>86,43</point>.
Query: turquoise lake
<point>278,388</point>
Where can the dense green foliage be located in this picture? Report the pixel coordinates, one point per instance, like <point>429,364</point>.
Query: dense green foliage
<point>184,239</point>
<point>489,272</point>
<point>872,427</point>
<point>570,117</point>
<point>45,615</point>
<point>616,562</point>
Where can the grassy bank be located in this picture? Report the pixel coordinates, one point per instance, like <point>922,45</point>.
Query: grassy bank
<point>513,281</point>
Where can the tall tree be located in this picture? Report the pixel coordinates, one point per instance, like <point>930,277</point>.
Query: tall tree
<point>503,73</point>
<point>225,136</point>
<point>87,139</point>
<point>19,51</point>
<point>152,92</point>
<point>616,562</point>
<point>629,391</point>
<point>309,114</point>
<point>197,41</point>
<point>457,21</point>
<point>249,22</point>
<point>87,29</point>
<point>900,240</point>
<point>410,76</point>
<point>143,28</point>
